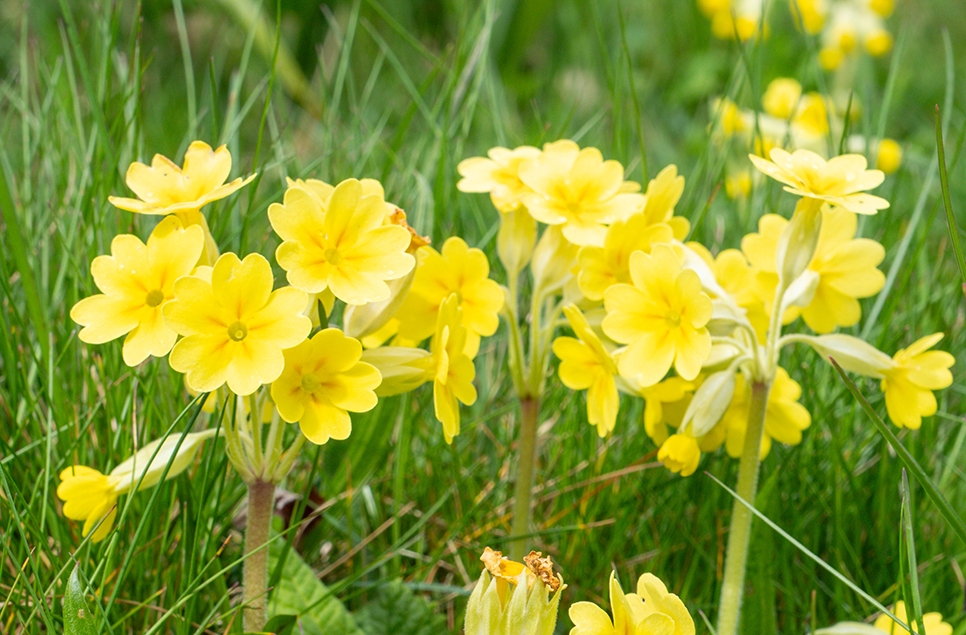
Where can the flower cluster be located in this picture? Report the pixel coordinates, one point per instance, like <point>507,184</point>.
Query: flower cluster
<point>846,27</point>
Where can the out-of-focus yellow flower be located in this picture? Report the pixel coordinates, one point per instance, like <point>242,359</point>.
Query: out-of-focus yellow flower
<point>933,623</point>
<point>453,368</point>
<point>578,190</point>
<point>347,247</point>
<point>889,156</point>
<point>785,418</point>
<point>90,496</point>
<point>883,7</point>
<point>457,270</point>
<point>812,13</point>
<point>738,185</point>
<point>136,281</point>
<point>665,404</point>
<point>812,116</point>
<point>164,188</point>
<point>663,193</point>
<point>499,175</point>
<point>680,454</point>
<point>651,611</point>
<point>586,365</point>
<point>844,267</point>
<point>841,181</point>
<point>602,267</point>
<point>661,317</point>
<point>235,327</point>
<point>729,117</point>
<point>781,97</point>
<point>879,43</point>
<point>908,386</point>
<point>323,381</point>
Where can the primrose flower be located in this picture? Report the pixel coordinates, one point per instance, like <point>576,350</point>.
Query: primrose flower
<point>323,380</point>
<point>453,368</point>
<point>781,97</point>
<point>663,193</point>
<point>785,418</point>
<point>136,281</point>
<point>662,317</point>
<point>513,598</point>
<point>734,274</point>
<point>933,623</point>
<point>578,190</point>
<point>843,268</point>
<point>499,175</point>
<point>460,270</point>
<point>602,267</point>
<point>234,326</point>
<point>650,611</point>
<point>91,496</point>
<point>840,181</point>
<point>680,453</point>
<point>665,402</point>
<point>908,386</point>
<point>586,365</point>
<point>346,247</point>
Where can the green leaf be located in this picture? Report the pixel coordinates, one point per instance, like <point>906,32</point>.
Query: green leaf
<point>78,619</point>
<point>300,593</point>
<point>278,625</point>
<point>397,610</point>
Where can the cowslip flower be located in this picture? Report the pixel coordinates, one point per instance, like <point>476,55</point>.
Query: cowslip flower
<point>650,611</point>
<point>840,181</point>
<point>932,623</point>
<point>664,404</point>
<point>662,195</point>
<point>456,269</point>
<point>499,175</point>
<point>586,365</point>
<point>785,418</point>
<point>234,326</point>
<point>322,382</point>
<point>736,276</point>
<point>909,384</point>
<point>662,317</point>
<point>578,190</point>
<point>605,266</point>
<point>136,280</point>
<point>844,267</point>
<point>346,247</point>
<point>680,453</point>
<point>453,369</point>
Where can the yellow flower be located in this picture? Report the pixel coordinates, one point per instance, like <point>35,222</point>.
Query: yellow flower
<point>164,188</point>
<point>680,454</point>
<point>812,116</point>
<point>602,267</point>
<point>738,185</point>
<point>136,281</point>
<point>933,623</point>
<point>499,175</point>
<point>785,418</point>
<point>345,247</point>
<point>889,156</point>
<point>840,181</point>
<point>845,268</point>
<point>908,386</point>
<point>661,316</point>
<point>460,270</point>
<point>878,43</point>
<point>453,369</point>
<point>235,327</point>
<point>812,13</point>
<point>651,611</point>
<point>663,193</point>
<point>782,95</point>
<point>735,275</point>
<point>322,382</point>
<point>578,190</point>
<point>665,404</point>
<point>586,365</point>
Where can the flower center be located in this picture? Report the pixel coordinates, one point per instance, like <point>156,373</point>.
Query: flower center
<point>310,383</point>
<point>333,257</point>
<point>237,331</point>
<point>154,298</point>
<point>673,319</point>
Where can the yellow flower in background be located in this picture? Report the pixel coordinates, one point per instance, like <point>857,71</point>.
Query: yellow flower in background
<point>650,611</point>
<point>136,280</point>
<point>781,97</point>
<point>499,175</point>
<point>346,247</point>
<point>602,267</point>
<point>460,270</point>
<point>661,317</point>
<point>908,387</point>
<point>844,267</point>
<point>663,193</point>
<point>164,188</point>
<point>235,327</point>
<point>579,191</point>
<point>90,496</point>
<point>812,116</point>
<point>889,156</point>
<point>785,418</point>
<point>932,623</point>
<point>680,454</point>
<point>840,181</point>
<point>812,14</point>
<point>586,365</point>
<point>323,381</point>
<point>453,368</point>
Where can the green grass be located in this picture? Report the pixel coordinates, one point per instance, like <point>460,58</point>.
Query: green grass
<point>405,92</point>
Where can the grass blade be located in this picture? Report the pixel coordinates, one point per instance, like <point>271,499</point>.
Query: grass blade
<point>944,184</point>
<point>915,614</point>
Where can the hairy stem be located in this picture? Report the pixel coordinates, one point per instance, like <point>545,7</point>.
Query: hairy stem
<point>526,457</point>
<point>261,503</point>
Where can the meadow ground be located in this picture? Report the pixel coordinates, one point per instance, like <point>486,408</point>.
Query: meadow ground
<point>402,92</point>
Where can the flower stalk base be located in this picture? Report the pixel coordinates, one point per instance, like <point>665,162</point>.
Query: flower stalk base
<point>261,504</point>
<point>526,458</point>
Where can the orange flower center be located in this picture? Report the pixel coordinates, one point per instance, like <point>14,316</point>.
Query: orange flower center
<point>154,298</point>
<point>237,331</point>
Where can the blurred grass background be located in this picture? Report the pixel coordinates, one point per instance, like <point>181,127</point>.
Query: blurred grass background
<point>402,91</point>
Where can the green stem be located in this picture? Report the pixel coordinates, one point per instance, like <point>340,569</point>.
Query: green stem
<point>526,457</point>
<point>739,534</point>
<point>261,503</point>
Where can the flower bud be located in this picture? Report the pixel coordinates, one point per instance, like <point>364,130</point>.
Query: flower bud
<point>171,450</point>
<point>852,354</point>
<point>798,241</point>
<point>515,240</point>
<point>710,402</point>
<point>402,368</point>
<point>360,320</point>
<point>553,261</point>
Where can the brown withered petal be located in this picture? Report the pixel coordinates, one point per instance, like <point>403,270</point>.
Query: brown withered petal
<point>543,569</point>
